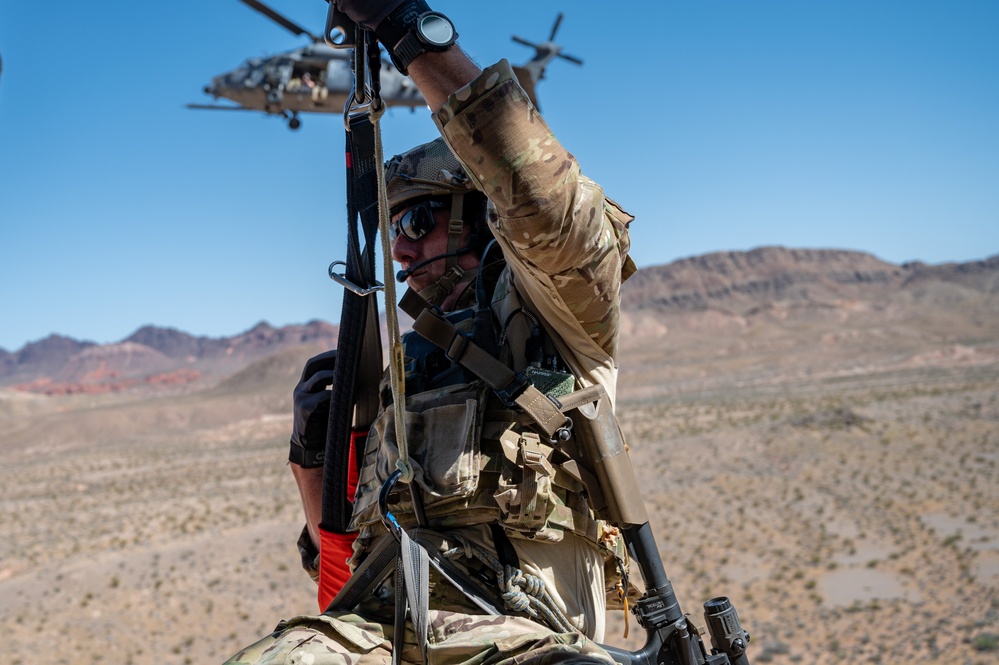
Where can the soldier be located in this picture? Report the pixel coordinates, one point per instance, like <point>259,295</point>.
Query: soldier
<point>543,299</point>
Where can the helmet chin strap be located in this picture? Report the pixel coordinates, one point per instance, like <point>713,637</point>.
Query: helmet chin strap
<point>454,275</point>
<point>437,293</point>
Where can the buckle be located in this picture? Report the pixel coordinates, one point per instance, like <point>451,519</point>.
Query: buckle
<point>509,393</point>
<point>457,346</point>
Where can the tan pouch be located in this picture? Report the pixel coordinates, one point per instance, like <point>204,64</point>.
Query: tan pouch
<point>443,427</point>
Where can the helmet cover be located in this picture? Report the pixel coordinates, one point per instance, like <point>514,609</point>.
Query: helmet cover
<point>426,171</point>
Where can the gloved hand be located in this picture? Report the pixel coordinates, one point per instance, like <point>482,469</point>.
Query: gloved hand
<point>312,411</point>
<point>368,13</point>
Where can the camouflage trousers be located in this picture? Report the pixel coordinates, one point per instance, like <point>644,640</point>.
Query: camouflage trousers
<point>454,638</point>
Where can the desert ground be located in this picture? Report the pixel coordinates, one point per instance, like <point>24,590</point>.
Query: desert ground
<point>840,485</point>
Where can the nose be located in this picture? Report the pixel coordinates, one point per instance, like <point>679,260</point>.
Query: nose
<point>404,250</point>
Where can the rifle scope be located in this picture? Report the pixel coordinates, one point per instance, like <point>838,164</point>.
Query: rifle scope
<point>727,634</point>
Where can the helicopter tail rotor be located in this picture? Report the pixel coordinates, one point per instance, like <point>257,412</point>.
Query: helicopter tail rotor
<point>558,22</point>
<point>544,52</point>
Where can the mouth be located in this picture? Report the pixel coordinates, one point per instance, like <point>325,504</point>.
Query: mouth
<point>417,274</point>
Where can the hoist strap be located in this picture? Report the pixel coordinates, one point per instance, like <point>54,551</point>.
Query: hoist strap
<point>513,388</point>
<point>354,400</point>
<point>415,567</point>
<point>409,557</point>
<point>401,608</point>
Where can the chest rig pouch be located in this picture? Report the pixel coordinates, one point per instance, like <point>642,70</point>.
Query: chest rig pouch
<point>477,458</point>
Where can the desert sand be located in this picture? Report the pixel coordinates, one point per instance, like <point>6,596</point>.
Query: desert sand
<point>835,475</point>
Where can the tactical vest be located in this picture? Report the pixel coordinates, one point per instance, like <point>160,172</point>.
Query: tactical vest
<point>475,460</point>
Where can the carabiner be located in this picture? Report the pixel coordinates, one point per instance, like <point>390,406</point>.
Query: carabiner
<point>388,519</point>
<point>349,285</point>
<point>340,22</point>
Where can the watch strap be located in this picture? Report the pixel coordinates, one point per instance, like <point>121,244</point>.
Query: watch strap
<point>398,33</point>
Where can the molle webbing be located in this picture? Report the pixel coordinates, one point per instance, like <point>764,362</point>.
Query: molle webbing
<point>511,387</point>
<point>513,480</point>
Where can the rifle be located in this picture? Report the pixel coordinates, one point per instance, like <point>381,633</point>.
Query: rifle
<point>612,489</point>
<point>610,482</point>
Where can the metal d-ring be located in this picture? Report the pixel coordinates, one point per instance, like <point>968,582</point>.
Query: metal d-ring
<point>337,20</point>
<point>349,285</point>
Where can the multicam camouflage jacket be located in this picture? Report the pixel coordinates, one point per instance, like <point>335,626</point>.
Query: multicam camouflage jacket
<point>566,244</point>
<point>477,462</point>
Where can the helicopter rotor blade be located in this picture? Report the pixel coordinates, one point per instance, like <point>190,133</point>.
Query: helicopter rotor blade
<point>285,23</point>
<point>521,40</point>
<point>571,58</point>
<point>558,22</point>
<point>217,107</point>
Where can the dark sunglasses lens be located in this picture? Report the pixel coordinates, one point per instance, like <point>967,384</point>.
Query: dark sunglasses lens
<point>416,222</point>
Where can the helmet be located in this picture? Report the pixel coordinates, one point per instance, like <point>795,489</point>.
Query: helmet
<point>426,171</point>
<point>431,171</point>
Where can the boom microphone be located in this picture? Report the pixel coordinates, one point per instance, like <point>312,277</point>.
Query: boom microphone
<point>405,274</point>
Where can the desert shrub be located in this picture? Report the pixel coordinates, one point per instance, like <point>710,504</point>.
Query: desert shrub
<point>986,642</point>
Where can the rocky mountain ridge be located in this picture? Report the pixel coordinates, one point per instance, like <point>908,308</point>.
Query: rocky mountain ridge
<point>737,281</point>
<point>151,356</point>
<point>708,297</point>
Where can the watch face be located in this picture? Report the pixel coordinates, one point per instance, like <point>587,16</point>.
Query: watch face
<point>436,30</point>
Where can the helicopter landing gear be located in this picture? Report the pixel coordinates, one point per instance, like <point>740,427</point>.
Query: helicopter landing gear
<point>293,121</point>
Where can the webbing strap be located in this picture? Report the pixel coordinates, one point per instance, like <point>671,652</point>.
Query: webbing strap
<point>389,555</point>
<point>511,387</point>
<point>416,570</point>
<point>359,355</point>
<point>371,573</point>
<point>401,606</point>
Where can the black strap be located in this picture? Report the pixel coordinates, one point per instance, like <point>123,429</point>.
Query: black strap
<point>505,552</point>
<point>382,562</point>
<point>513,388</point>
<point>359,354</point>
<point>401,607</point>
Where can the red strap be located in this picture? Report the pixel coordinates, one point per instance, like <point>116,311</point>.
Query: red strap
<point>336,548</point>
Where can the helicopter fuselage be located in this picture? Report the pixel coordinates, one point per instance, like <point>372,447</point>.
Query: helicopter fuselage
<point>312,79</point>
<point>318,78</point>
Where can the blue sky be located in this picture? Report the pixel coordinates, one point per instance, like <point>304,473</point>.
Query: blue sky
<point>722,125</point>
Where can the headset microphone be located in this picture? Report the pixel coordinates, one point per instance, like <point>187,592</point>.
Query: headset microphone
<point>403,275</point>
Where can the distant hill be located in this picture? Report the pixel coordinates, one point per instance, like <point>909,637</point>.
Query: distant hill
<point>824,312</point>
<point>840,297</point>
<point>151,357</point>
<point>738,281</point>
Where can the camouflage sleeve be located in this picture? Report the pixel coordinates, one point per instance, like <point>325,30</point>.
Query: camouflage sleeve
<point>566,243</point>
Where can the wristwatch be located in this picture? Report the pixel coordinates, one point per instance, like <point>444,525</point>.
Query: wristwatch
<point>413,29</point>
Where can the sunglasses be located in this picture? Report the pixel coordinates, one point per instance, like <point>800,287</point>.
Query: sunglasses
<point>417,221</point>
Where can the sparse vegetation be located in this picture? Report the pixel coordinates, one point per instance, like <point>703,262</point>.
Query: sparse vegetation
<point>824,487</point>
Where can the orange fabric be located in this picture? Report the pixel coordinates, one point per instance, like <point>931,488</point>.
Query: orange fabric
<point>336,548</point>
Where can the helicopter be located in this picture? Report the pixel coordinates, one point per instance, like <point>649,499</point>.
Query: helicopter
<point>318,78</point>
